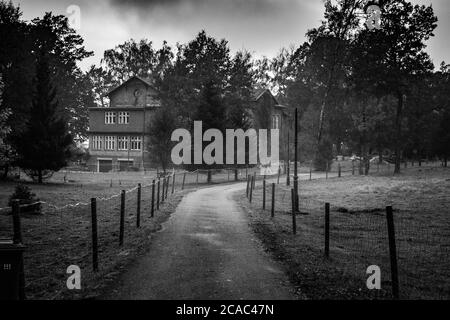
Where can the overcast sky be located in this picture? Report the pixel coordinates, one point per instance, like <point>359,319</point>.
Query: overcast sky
<point>260,26</point>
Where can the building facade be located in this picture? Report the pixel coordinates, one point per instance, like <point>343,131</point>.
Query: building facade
<point>118,134</point>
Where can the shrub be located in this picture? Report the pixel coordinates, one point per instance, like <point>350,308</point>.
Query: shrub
<point>25,196</point>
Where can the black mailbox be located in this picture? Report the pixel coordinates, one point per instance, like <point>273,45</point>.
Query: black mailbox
<point>11,270</point>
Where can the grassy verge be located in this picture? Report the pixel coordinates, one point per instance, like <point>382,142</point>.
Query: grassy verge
<point>358,236</point>
<point>58,238</point>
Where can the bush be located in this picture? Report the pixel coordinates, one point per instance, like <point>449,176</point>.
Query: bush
<point>324,156</point>
<point>25,196</point>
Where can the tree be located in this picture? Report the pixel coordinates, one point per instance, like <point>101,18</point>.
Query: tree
<point>160,129</point>
<point>137,59</point>
<point>21,43</point>
<point>388,59</point>
<point>45,143</point>
<point>7,154</point>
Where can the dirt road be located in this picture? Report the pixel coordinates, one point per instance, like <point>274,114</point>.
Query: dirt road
<point>206,250</point>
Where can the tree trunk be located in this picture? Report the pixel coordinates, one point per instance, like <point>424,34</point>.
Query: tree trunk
<point>380,156</point>
<point>398,129</point>
<point>5,172</point>
<point>209,176</point>
<point>39,176</point>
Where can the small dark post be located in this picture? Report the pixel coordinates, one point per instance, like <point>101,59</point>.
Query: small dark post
<point>122,217</point>
<point>294,221</point>
<point>163,189</point>
<point>173,183</point>
<point>288,173</point>
<point>252,180</point>
<point>152,212</point>
<point>167,186</point>
<point>296,160</point>
<point>157,194</point>
<point>339,170</point>
<point>310,170</point>
<point>326,170</point>
<point>248,185</point>
<point>392,252</point>
<point>272,213</point>
<point>353,167</point>
<point>94,234</point>
<point>197,178</point>
<point>184,180</point>
<point>279,173</point>
<point>236,174</point>
<point>264,194</point>
<point>17,237</point>
<point>138,207</point>
<point>327,229</point>
<point>110,184</point>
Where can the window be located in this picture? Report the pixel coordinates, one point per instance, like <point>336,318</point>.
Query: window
<point>110,117</point>
<point>110,143</point>
<point>122,143</point>
<point>97,143</point>
<point>135,143</point>
<point>276,121</point>
<point>124,117</point>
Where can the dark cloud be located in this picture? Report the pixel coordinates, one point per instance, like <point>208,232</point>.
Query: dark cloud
<point>248,6</point>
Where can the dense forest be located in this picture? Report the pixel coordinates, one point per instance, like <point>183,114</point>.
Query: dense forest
<point>359,90</point>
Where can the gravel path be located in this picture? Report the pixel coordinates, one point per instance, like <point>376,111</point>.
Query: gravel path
<point>206,250</point>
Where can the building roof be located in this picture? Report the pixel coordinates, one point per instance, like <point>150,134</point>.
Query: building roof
<point>147,81</point>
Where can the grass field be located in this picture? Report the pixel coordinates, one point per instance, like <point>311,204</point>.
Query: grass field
<point>61,236</point>
<point>358,233</point>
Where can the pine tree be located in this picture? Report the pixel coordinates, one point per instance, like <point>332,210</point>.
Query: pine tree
<point>44,145</point>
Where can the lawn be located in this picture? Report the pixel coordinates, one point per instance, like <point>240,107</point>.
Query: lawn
<point>358,233</point>
<point>60,237</point>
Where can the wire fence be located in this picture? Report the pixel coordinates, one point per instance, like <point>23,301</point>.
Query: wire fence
<point>357,239</point>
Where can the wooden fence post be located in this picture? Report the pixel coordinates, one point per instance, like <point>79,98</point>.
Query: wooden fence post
<point>152,212</point>
<point>17,228</point>
<point>264,194</point>
<point>294,221</point>
<point>157,194</point>
<point>138,207</point>
<point>279,173</point>
<point>94,234</point>
<point>167,186</point>
<point>17,239</point>
<point>184,180</point>
<point>163,188</point>
<point>392,252</point>
<point>248,185</point>
<point>327,229</point>
<point>272,213</point>
<point>122,217</point>
<point>173,183</point>
<point>251,187</point>
<point>310,171</point>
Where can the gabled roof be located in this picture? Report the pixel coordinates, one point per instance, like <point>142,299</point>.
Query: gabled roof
<point>259,92</point>
<point>147,81</point>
